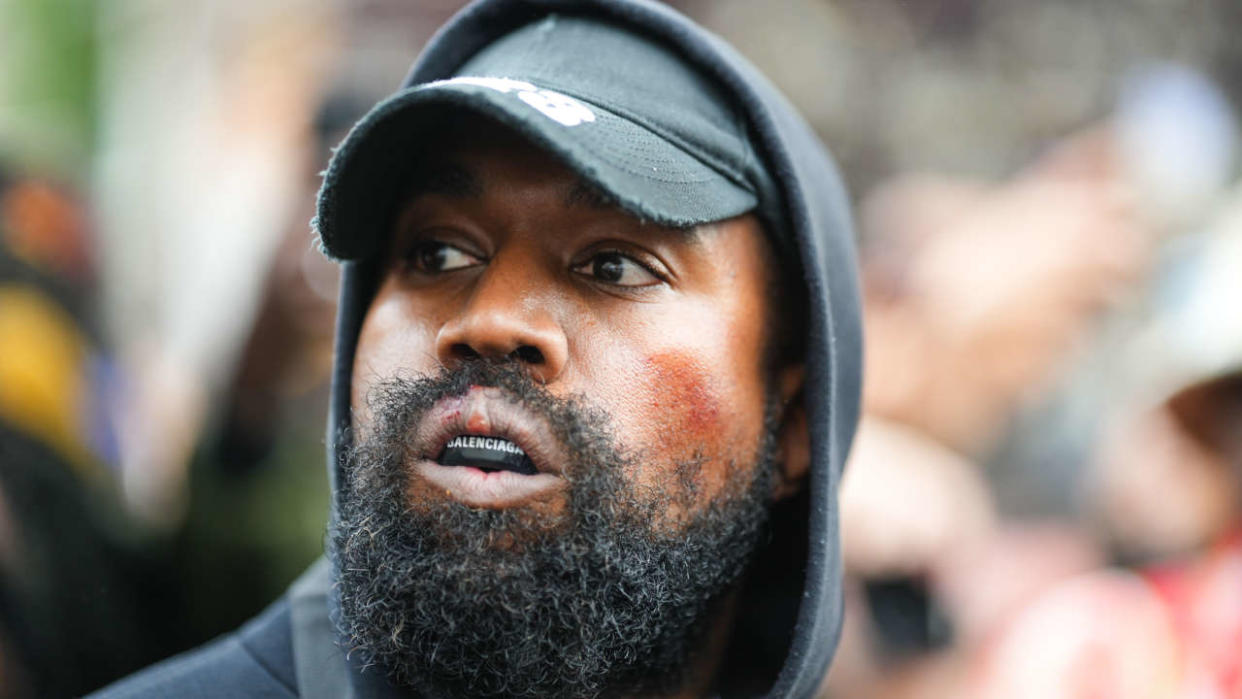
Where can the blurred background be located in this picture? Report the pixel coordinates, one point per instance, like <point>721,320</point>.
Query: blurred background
<point>1045,496</point>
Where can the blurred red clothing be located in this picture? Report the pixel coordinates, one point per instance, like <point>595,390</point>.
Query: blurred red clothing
<point>1204,597</point>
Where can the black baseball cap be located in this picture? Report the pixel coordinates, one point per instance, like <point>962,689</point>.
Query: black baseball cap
<point>624,112</point>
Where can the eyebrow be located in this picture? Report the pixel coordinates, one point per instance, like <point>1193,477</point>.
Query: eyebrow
<point>588,194</point>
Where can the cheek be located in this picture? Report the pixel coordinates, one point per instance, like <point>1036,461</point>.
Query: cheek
<point>683,393</point>
<point>689,393</point>
<point>697,410</point>
<point>394,341</point>
<point>681,384</point>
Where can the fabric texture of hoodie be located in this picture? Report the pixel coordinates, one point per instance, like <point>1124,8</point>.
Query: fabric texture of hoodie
<point>790,609</point>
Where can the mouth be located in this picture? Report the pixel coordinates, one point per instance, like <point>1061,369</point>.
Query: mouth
<point>486,452</point>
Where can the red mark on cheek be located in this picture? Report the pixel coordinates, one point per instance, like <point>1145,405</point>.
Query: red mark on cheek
<point>682,392</point>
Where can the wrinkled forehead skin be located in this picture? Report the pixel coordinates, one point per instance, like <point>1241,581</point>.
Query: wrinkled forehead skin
<point>817,216</point>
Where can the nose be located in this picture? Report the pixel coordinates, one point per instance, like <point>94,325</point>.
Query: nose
<point>507,317</point>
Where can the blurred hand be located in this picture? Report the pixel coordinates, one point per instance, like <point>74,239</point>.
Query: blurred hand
<point>975,295</point>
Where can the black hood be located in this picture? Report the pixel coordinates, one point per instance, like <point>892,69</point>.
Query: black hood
<point>791,610</point>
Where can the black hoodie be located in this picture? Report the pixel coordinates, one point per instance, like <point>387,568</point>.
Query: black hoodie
<point>791,608</point>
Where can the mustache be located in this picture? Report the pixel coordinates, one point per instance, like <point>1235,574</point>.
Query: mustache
<point>397,406</point>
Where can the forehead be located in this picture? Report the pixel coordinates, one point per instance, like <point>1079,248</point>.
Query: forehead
<point>474,165</point>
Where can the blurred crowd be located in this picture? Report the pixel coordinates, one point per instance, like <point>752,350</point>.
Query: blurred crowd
<point>1044,498</point>
<point>1045,495</point>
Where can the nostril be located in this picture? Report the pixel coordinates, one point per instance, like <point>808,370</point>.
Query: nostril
<point>528,354</point>
<point>463,351</point>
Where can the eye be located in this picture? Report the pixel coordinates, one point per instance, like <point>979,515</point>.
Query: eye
<point>617,269</point>
<point>435,257</point>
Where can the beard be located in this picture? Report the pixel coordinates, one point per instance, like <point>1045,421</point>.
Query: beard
<point>610,599</point>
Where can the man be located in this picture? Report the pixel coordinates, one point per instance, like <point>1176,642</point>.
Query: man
<point>597,371</point>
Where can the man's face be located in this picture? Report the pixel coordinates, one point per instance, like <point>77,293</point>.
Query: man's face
<point>565,432</point>
<point>505,255</point>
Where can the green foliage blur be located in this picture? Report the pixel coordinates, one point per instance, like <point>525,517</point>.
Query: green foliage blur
<point>48,93</point>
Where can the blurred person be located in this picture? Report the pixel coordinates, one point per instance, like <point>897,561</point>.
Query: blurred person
<point>80,595</point>
<point>255,488</point>
<point>977,299</point>
<point>217,158</point>
<point>1166,488</point>
<point>932,568</point>
<point>597,370</point>
<point>1165,476</point>
<point>1163,622</point>
<point>907,504</point>
<point>978,295</point>
<point>288,351</point>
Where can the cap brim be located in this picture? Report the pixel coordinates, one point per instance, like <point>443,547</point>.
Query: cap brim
<point>643,172</point>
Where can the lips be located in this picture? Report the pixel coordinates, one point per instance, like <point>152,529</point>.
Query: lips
<point>486,451</point>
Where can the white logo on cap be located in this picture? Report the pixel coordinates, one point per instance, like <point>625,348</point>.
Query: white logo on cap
<point>558,107</point>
